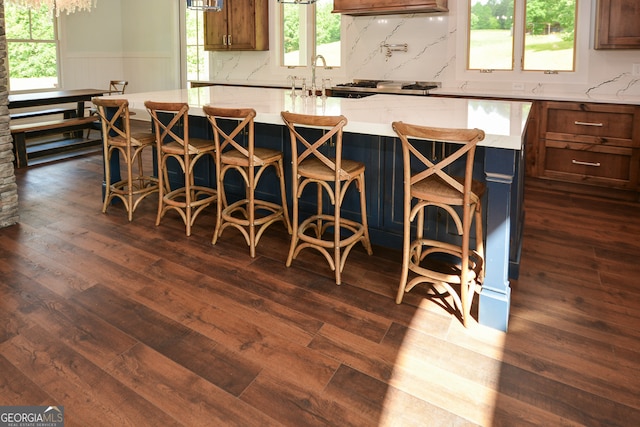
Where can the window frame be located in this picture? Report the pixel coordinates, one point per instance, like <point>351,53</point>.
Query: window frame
<point>55,41</point>
<point>311,38</point>
<point>582,43</point>
<point>203,57</point>
<point>513,45</point>
<point>576,28</point>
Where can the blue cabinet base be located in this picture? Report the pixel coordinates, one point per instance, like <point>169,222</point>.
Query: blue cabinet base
<point>501,169</point>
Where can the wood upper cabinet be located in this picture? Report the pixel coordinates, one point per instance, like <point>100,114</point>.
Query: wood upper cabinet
<point>618,24</point>
<point>241,25</point>
<point>381,7</point>
<point>587,143</point>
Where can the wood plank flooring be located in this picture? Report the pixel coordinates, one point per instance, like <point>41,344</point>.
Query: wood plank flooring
<point>129,324</point>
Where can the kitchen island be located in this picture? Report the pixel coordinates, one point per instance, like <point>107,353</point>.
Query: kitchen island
<point>370,138</point>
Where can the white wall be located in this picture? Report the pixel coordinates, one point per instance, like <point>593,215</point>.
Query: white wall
<point>437,52</point>
<point>135,40</point>
<point>148,34</point>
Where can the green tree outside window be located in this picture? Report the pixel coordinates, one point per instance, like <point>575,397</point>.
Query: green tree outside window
<point>32,48</point>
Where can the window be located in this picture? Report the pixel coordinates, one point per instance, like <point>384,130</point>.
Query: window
<point>309,30</point>
<point>32,45</point>
<point>545,27</point>
<point>197,58</point>
<point>549,37</point>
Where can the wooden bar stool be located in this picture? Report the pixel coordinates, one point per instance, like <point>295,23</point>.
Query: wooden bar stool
<point>173,142</point>
<point>428,183</point>
<point>116,87</point>
<point>333,175</point>
<point>117,138</point>
<point>236,150</point>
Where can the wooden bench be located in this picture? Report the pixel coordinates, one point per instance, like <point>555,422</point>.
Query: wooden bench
<point>21,131</point>
<point>66,113</point>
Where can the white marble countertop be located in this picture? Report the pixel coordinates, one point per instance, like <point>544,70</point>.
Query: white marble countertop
<point>504,122</point>
<point>537,94</point>
<point>530,93</point>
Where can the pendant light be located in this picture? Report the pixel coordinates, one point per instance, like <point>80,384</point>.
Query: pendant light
<point>205,5</point>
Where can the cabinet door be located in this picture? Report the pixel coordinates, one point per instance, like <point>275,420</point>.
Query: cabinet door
<point>241,25</point>
<point>215,29</point>
<point>617,24</point>
<point>242,28</point>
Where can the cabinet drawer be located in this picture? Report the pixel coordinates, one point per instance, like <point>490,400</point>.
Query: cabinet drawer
<point>605,124</point>
<point>577,162</point>
<point>587,163</point>
<point>590,144</point>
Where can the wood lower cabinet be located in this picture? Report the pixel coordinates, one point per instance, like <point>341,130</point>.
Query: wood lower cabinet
<point>241,25</point>
<point>586,143</point>
<point>618,24</point>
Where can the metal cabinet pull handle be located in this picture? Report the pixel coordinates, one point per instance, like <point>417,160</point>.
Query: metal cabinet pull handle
<point>229,39</point>
<point>224,40</point>
<point>578,162</point>
<point>588,124</point>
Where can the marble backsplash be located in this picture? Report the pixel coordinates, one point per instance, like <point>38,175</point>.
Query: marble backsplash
<point>434,53</point>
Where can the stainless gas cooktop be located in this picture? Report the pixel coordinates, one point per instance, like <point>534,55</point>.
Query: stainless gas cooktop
<point>359,88</point>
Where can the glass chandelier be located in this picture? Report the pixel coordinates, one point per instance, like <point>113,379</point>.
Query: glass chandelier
<point>67,6</point>
<point>297,1</point>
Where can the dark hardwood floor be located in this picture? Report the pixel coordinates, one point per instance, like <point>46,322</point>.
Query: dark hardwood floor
<point>129,324</point>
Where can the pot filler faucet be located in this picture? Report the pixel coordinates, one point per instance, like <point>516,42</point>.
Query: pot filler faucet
<point>314,61</point>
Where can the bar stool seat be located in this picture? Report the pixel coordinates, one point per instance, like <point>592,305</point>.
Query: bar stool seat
<point>118,139</point>
<point>236,150</point>
<point>314,168</point>
<point>328,231</point>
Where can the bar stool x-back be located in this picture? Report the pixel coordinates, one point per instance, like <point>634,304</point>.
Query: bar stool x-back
<point>332,175</point>
<point>236,150</point>
<point>173,142</point>
<point>429,182</point>
<point>118,139</point>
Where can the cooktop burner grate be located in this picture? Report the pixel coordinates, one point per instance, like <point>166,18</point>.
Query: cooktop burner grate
<point>361,83</point>
<point>419,86</point>
<point>359,88</point>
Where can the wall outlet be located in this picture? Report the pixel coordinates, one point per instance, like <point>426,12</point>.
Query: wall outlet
<point>517,86</point>
<point>635,70</point>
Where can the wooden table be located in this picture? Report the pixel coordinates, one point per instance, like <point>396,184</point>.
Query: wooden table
<point>53,103</point>
<point>37,99</point>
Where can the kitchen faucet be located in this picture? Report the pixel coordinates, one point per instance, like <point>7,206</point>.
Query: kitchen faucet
<point>314,61</point>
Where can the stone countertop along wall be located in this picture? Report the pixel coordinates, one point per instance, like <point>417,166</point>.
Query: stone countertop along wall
<point>8,187</point>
